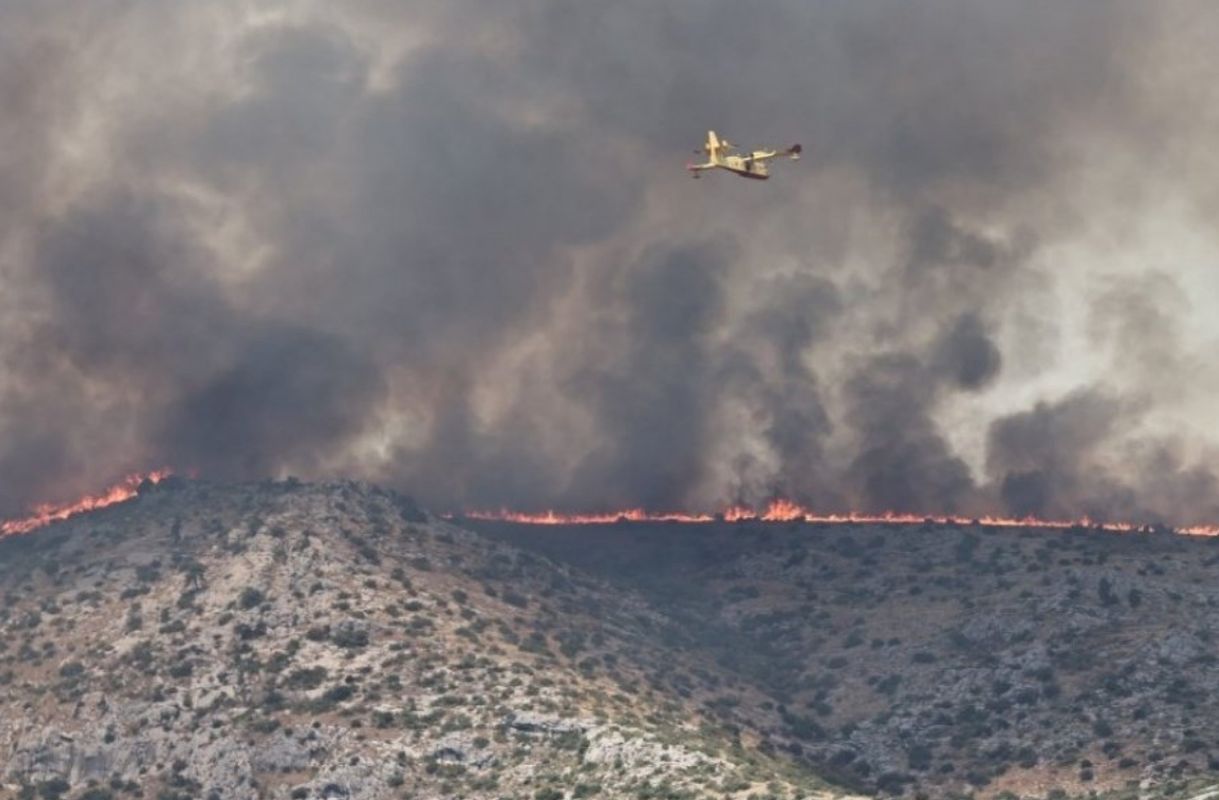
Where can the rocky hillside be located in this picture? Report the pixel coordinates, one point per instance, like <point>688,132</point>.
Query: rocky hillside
<point>290,641</point>
<point>944,661</point>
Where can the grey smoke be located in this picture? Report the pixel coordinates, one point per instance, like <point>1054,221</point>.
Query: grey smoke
<point>966,354</point>
<point>451,248</point>
<point>902,462</point>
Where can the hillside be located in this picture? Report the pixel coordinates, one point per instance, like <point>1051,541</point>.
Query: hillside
<point>291,641</point>
<point>282,640</point>
<point>945,661</point>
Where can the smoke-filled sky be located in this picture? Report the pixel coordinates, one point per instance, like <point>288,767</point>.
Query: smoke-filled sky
<point>449,246</point>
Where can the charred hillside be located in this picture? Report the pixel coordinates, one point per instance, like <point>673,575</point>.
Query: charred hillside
<point>290,641</point>
<point>944,661</point>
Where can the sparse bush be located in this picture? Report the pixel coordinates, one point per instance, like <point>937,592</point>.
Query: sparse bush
<point>53,789</point>
<point>350,635</point>
<point>246,632</point>
<point>96,793</point>
<point>310,678</point>
<point>889,684</point>
<point>147,573</point>
<point>802,727</point>
<point>893,782</point>
<point>338,694</point>
<point>250,598</point>
<point>515,599</point>
<point>72,670</point>
<point>919,757</point>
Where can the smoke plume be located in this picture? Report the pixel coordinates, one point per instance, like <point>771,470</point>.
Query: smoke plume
<point>451,248</point>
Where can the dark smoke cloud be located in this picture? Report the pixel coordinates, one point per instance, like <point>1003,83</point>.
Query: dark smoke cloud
<point>966,354</point>
<point>654,399</point>
<point>1046,454</point>
<point>449,247</point>
<point>248,417</point>
<point>902,462</point>
<point>778,383</point>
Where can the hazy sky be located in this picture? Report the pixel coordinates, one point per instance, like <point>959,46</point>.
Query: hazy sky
<point>450,246</point>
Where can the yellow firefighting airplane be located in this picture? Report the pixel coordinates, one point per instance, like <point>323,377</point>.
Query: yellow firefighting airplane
<point>747,166</point>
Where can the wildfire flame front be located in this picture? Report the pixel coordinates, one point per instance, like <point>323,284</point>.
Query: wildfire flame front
<point>43,515</point>
<point>783,510</point>
<point>777,510</point>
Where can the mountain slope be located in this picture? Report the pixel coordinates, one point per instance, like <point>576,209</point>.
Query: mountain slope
<point>947,661</point>
<point>291,641</point>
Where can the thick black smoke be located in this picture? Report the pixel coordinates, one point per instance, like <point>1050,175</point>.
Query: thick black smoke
<point>451,248</point>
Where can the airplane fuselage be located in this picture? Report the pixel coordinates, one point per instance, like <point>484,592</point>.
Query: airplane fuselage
<point>745,167</point>
<point>751,165</point>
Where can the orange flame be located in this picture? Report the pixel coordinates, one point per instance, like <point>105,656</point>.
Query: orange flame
<point>782,510</point>
<point>555,518</point>
<point>778,510</point>
<point>47,513</point>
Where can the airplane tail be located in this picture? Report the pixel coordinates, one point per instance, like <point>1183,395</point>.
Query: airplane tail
<point>716,147</point>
